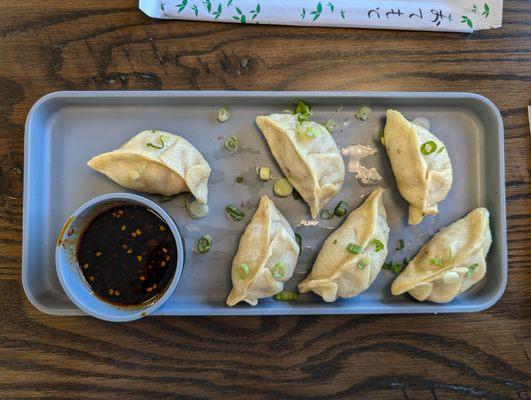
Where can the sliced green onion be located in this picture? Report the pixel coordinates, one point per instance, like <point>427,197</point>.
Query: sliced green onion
<point>282,188</point>
<point>204,244</point>
<point>440,150</point>
<point>234,212</point>
<point>332,125</point>
<point>296,195</point>
<point>437,262</point>
<point>341,208</point>
<point>239,179</point>
<point>382,136</point>
<point>312,131</point>
<point>195,208</point>
<point>362,264</point>
<point>223,115</point>
<point>231,144</point>
<point>264,173</point>
<point>393,267</point>
<point>471,270</point>
<point>298,239</point>
<point>279,269</point>
<point>242,270</point>
<point>326,214</point>
<point>378,246</point>
<point>428,147</point>
<point>400,245</point>
<point>164,199</point>
<point>286,296</point>
<point>335,241</point>
<point>162,144</point>
<point>363,113</point>
<point>354,248</point>
<point>303,110</point>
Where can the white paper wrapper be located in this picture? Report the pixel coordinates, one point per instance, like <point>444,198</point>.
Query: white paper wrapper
<point>435,15</point>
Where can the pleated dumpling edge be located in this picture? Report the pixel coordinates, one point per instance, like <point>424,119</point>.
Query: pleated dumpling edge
<point>266,257</point>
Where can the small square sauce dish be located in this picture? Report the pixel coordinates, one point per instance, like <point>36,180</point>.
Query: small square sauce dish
<point>119,257</point>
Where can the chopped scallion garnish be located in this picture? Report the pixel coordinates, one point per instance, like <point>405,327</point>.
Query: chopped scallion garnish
<point>164,199</point>
<point>279,269</point>
<point>286,296</point>
<point>400,245</point>
<point>312,131</point>
<point>332,125</point>
<point>378,245</point>
<point>303,110</point>
<point>428,147</point>
<point>341,208</point>
<point>362,264</point>
<point>298,239</point>
<point>264,173</point>
<point>437,262</point>
<point>223,115</point>
<point>382,136</point>
<point>195,208</point>
<point>231,144</point>
<point>393,267</point>
<point>242,270</point>
<point>354,248</point>
<point>204,244</point>
<point>234,212</point>
<point>363,113</point>
<point>335,241</point>
<point>440,150</point>
<point>161,146</point>
<point>326,214</point>
<point>282,188</point>
<point>471,270</point>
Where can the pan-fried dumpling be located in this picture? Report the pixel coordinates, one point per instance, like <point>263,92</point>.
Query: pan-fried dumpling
<point>450,263</point>
<point>353,254</point>
<point>157,162</point>
<point>307,155</point>
<point>266,256</point>
<point>420,163</point>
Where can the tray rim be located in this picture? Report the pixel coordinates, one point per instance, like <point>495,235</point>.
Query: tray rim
<point>299,310</point>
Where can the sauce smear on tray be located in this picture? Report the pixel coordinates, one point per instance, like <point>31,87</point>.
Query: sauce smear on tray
<point>127,255</point>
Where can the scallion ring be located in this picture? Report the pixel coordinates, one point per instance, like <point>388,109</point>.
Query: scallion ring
<point>354,248</point>
<point>286,296</point>
<point>264,173</point>
<point>332,125</point>
<point>279,269</point>
<point>242,270</point>
<point>204,244</point>
<point>341,208</point>
<point>234,212</point>
<point>162,144</point>
<point>428,147</point>
<point>363,113</point>
<point>282,188</point>
<point>298,239</point>
<point>326,214</point>
<point>231,144</point>
<point>223,115</point>
<point>378,245</point>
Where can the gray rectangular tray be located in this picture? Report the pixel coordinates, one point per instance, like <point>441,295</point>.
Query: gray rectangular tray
<point>65,129</point>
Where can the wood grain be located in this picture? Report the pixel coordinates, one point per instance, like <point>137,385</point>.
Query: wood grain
<point>56,45</point>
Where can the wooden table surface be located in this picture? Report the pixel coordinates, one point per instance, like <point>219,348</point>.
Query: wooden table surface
<point>89,45</point>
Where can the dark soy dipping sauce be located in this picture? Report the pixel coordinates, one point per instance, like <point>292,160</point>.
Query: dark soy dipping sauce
<point>127,255</point>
